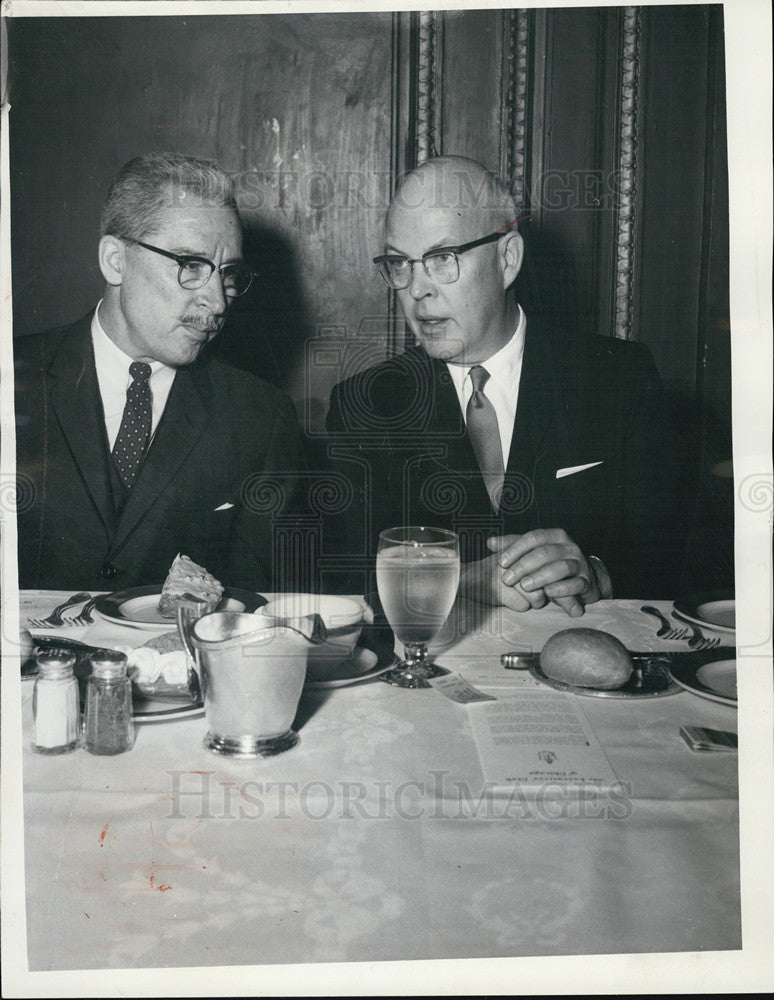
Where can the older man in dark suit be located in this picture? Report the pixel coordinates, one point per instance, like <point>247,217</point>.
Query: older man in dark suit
<point>543,449</point>
<point>132,444</point>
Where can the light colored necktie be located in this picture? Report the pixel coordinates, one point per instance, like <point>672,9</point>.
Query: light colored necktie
<point>134,432</point>
<point>484,435</point>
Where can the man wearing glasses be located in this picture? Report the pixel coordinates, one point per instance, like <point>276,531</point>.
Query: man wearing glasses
<point>132,444</point>
<point>539,446</point>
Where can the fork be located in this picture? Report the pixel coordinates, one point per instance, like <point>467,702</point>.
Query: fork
<point>84,618</point>
<point>699,641</point>
<point>55,620</point>
<point>667,630</point>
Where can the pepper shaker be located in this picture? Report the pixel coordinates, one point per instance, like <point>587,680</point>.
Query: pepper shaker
<point>55,703</point>
<point>109,728</point>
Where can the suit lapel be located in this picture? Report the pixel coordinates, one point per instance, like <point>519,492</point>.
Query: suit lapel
<point>76,402</point>
<point>549,419</point>
<point>541,400</point>
<point>185,417</point>
<point>447,423</point>
<point>448,427</point>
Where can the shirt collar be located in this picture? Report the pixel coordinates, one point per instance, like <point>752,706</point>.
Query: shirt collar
<point>504,366</point>
<point>107,354</point>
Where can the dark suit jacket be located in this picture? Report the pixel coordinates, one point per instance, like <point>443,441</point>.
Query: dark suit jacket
<point>216,473</point>
<point>398,431</point>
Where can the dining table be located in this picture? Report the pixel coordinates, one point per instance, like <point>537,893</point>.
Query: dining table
<point>387,833</point>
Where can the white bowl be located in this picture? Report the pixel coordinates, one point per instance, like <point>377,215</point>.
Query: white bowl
<point>343,617</point>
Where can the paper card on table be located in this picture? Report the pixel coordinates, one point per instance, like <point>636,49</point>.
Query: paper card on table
<point>456,688</point>
<point>539,739</point>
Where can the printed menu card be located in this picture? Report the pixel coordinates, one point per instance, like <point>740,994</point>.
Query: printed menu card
<point>537,739</point>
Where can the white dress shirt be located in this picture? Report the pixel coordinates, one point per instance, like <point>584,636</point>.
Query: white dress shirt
<point>502,387</point>
<point>114,379</point>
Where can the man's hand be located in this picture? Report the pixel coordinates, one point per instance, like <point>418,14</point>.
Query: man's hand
<point>547,561</point>
<point>482,582</point>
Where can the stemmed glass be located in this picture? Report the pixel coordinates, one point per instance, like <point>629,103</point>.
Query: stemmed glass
<point>417,574</point>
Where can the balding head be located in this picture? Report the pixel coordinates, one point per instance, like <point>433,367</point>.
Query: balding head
<point>448,202</point>
<point>462,186</point>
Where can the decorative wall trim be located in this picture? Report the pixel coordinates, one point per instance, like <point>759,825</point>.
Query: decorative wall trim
<point>513,109</point>
<point>428,77</point>
<point>519,174</point>
<point>401,139</point>
<point>627,173</point>
<point>507,93</point>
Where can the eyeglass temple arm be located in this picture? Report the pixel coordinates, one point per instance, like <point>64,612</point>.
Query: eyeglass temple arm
<point>453,249</point>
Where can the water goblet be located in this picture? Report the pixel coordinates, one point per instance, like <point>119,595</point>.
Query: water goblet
<point>417,575</point>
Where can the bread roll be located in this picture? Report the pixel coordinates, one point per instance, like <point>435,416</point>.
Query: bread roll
<point>586,657</point>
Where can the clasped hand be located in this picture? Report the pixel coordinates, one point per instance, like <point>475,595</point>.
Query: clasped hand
<point>526,571</point>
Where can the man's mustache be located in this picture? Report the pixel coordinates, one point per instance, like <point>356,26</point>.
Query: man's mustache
<point>206,324</point>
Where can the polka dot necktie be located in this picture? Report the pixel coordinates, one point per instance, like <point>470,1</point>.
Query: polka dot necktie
<point>134,432</point>
<point>484,433</point>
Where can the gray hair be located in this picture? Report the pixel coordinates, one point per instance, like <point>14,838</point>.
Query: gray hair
<point>502,204</point>
<point>146,185</point>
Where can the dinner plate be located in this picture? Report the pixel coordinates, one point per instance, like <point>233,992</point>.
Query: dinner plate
<point>711,611</point>
<point>136,606</point>
<point>651,679</point>
<point>156,710</point>
<point>362,665</point>
<point>373,655</point>
<point>715,680</point>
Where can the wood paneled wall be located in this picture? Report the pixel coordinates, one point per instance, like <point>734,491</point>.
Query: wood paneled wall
<point>608,123</point>
<point>297,108</point>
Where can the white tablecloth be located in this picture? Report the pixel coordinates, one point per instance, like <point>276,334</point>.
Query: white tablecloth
<point>368,840</point>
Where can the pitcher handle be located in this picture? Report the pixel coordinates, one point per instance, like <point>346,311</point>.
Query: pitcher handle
<point>186,615</point>
<point>311,627</point>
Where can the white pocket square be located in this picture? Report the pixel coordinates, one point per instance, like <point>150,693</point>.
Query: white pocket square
<point>224,506</point>
<point>572,469</point>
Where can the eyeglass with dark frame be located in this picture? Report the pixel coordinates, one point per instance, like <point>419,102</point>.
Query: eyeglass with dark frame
<point>441,265</point>
<point>194,272</point>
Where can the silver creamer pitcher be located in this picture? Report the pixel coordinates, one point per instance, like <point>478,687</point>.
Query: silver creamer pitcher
<point>251,678</point>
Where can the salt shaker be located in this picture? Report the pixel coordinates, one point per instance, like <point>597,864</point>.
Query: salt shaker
<point>55,703</point>
<point>108,728</point>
